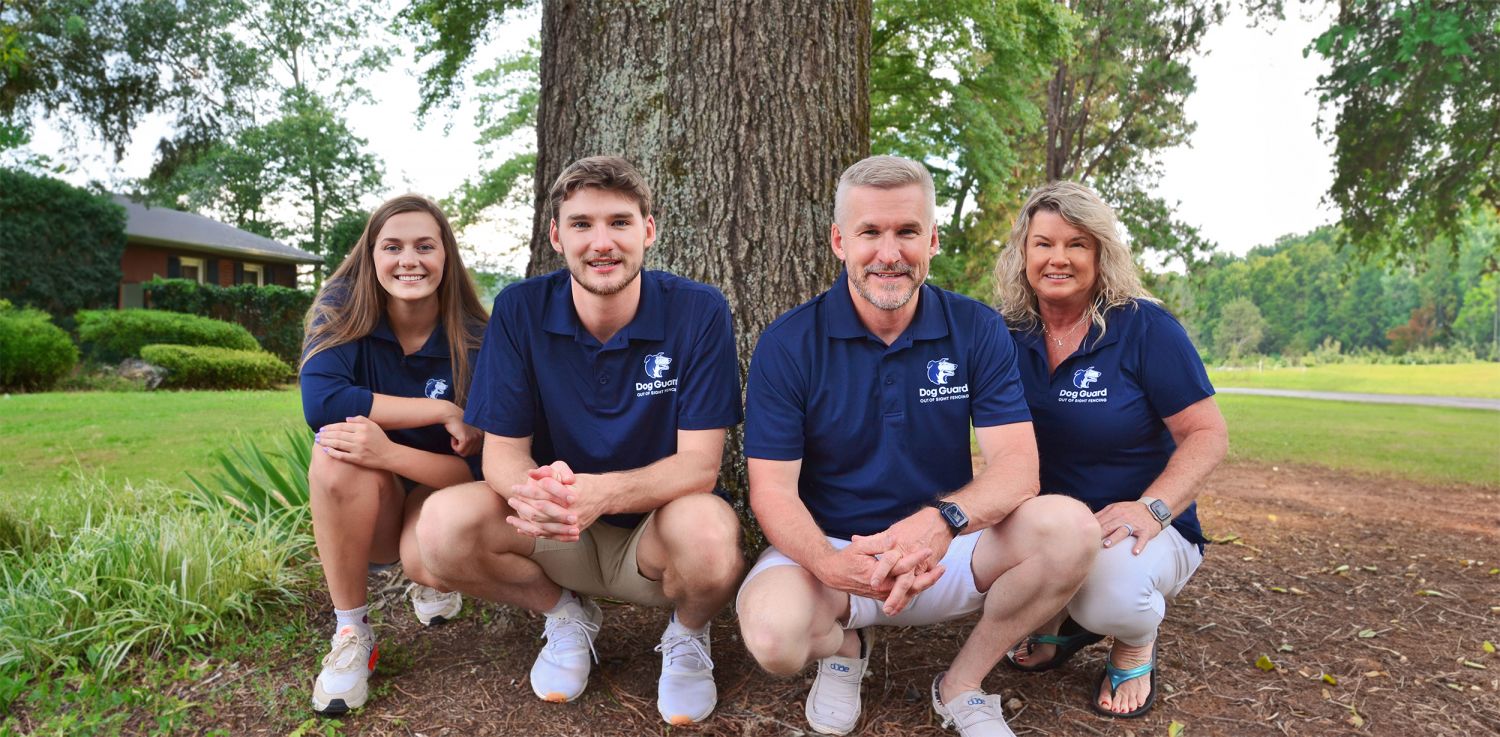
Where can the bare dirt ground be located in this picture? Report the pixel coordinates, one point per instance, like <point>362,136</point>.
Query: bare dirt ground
<point>1371,597</point>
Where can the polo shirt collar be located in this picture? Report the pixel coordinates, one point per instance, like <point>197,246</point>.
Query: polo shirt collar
<point>560,316</point>
<point>930,322</point>
<point>435,347</point>
<point>1119,320</point>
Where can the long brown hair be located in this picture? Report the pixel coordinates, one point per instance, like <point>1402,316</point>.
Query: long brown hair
<point>351,302</point>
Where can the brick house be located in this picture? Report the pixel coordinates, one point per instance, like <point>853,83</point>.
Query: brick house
<point>181,245</point>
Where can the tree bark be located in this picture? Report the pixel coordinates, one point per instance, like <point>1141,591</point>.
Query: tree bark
<point>741,115</point>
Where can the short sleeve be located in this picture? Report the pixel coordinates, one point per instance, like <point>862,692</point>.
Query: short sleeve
<point>1172,375</point>
<point>329,390</point>
<point>500,400</point>
<point>710,391</point>
<point>775,404</point>
<point>997,397</point>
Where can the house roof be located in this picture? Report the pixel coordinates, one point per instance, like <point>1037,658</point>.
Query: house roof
<point>160,226</point>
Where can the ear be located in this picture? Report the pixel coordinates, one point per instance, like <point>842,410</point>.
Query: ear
<point>552,235</point>
<point>836,239</point>
<point>650,231</point>
<point>933,249</point>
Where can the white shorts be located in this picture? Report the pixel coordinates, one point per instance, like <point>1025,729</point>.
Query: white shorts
<point>953,596</point>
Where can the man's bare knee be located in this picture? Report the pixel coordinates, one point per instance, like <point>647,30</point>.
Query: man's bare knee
<point>703,534</point>
<point>451,527</point>
<point>780,650</point>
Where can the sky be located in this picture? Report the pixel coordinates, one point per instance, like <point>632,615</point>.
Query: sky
<point>1255,169</point>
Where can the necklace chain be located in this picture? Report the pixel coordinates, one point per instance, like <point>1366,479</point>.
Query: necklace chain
<point>1069,334</point>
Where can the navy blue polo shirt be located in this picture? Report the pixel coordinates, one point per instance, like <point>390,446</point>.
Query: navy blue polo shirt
<point>1098,417</point>
<point>611,407</point>
<point>342,382</point>
<point>879,429</point>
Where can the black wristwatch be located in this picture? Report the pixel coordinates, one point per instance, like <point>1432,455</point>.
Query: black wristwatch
<point>952,515</point>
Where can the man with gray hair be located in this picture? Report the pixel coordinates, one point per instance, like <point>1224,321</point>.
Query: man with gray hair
<point>858,411</point>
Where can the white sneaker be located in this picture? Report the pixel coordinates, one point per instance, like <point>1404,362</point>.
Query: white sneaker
<point>686,692</point>
<point>833,702</point>
<point>344,682</point>
<point>433,606</point>
<point>561,671</point>
<point>973,713</point>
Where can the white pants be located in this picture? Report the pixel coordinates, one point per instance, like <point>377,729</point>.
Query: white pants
<point>1125,596</point>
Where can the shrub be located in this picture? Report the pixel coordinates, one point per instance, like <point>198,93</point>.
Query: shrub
<point>272,314</point>
<point>61,245</point>
<point>34,353</point>
<point>114,335</point>
<point>263,489</point>
<point>208,367</point>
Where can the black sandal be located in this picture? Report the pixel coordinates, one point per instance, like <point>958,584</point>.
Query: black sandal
<point>1070,638</point>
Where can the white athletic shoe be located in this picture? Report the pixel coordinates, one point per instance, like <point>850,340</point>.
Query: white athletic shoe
<point>344,682</point>
<point>433,606</point>
<point>685,693</point>
<point>973,713</point>
<point>833,702</point>
<point>561,671</point>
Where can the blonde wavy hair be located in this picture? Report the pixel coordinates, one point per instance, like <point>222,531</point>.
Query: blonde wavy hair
<point>351,302</point>
<point>1118,281</point>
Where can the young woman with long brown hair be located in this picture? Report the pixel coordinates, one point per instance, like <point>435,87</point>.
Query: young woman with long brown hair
<point>391,341</point>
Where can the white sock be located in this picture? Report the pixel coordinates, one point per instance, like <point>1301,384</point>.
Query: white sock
<point>689,630</point>
<point>358,618</point>
<point>562,601</point>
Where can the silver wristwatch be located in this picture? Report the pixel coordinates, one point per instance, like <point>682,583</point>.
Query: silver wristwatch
<point>1159,510</point>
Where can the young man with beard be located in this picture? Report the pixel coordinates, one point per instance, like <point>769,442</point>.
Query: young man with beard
<point>604,392</point>
<point>857,434</point>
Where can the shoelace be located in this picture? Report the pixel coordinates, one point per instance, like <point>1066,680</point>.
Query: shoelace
<point>345,651</point>
<point>572,629</point>
<point>684,645</point>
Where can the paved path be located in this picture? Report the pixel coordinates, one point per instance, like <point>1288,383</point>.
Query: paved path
<point>1462,402</point>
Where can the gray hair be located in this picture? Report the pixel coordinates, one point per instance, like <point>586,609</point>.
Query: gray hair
<point>885,172</point>
<point>1118,282</point>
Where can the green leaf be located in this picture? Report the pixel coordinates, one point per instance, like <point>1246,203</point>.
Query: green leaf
<point>1488,646</point>
<point>1330,680</point>
<point>1175,729</point>
<point>1264,663</point>
<point>1367,634</point>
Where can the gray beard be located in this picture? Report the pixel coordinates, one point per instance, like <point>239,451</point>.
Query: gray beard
<point>883,302</point>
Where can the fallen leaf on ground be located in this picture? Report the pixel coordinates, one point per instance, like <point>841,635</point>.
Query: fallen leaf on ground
<point>1366,634</point>
<point>1175,728</point>
<point>1341,568</point>
<point>1264,663</point>
<point>1488,646</point>
<point>1430,592</point>
<point>1285,648</point>
<point>1330,680</point>
<point>1472,664</point>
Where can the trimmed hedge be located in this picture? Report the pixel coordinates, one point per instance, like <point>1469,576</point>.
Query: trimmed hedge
<point>207,367</point>
<point>111,336</point>
<point>34,353</point>
<point>61,245</point>
<point>272,314</point>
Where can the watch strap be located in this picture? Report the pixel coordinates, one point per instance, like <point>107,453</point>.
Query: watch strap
<point>1151,503</point>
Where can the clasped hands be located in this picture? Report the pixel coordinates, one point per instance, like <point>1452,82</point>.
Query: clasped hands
<point>891,566</point>
<point>553,503</point>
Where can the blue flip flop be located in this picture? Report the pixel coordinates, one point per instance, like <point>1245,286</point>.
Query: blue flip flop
<point>1070,638</point>
<point>1117,676</point>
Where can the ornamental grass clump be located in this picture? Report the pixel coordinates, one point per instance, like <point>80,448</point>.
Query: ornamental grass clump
<point>136,580</point>
<point>262,489</point>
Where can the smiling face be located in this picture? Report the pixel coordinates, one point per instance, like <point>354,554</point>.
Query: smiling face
<point>408,256</point>
<point>1062,260</point>
<point>603,237</point>
<point>886,243</point>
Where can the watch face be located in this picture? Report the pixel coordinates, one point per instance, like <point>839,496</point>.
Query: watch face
<point>1160,510</point>
<point>954,516</point>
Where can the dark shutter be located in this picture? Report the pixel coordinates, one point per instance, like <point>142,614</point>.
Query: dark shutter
<point>239,273</point>
<point>174,267</point>
<point>212,267</point>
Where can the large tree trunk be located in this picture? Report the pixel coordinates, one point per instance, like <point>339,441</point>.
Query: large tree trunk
<point>741,115</point>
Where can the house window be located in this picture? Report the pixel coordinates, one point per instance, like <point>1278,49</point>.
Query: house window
<point>255,274</point>
<point>192,268</point>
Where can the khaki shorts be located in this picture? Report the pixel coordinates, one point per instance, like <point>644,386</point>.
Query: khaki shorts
<point>602,563</point>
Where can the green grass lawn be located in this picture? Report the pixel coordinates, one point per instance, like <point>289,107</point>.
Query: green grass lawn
<point>1434,444</point>
<point>1450,380</point>
<point>128,436</point>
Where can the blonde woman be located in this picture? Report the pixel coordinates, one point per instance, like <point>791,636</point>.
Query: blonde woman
<point>1125,422</point>
<point>391,342</point>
